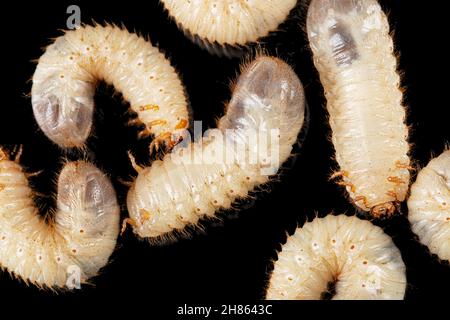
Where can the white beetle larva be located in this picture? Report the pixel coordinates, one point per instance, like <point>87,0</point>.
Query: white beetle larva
<point>358,257</point>
<point>429,206</point>
<point>177,191</point>
<point>353,53</point>
<point>65,78</point>
<point>81,238</point>
<point>222,26</point>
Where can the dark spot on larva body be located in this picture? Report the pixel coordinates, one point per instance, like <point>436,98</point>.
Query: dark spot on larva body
<point>343,45</point>
<point>330,291</point>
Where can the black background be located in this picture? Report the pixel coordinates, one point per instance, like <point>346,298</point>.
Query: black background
<point>229,261</point>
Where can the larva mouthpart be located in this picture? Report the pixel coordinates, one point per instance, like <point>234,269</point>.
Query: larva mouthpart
<point>268,97</point>
<point>353,53</point>
<point>358,257</point>
<point>429,206</point>
<point>226,27</point>
<point>82,237</point>
<point>66,75</point>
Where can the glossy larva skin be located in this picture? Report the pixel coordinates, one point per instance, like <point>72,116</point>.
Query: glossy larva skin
<point>359,256</point>
<point>66,75</point>
<point>353,53</point>
<point>429,206</point>
<point>83,234</point>
<point>229,22</point>
<point>172,194</point>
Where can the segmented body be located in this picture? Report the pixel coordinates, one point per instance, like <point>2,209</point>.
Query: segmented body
<point>353,53</point>
<point>429,206</point>
<point>66,75</point>
<point>197,180</point>
<point>222,26</point>
<point>357,256</point>
<point>81,239</point>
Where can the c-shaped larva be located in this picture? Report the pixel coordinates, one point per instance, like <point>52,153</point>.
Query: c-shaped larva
<point>353,53</point>
<point>81,238</point>
<point>222,26</point>
<point>429,206</point>
<point>65,78</point>
<point>357,257</point>
<point>198,180</point>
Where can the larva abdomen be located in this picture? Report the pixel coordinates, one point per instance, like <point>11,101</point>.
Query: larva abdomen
<point>177,191</point>
<point>429,206</point>
<point>82,237</point>
<point>223,27</point>
<point>358,257</point>
<point>353,53</point>
<point>65,78</point>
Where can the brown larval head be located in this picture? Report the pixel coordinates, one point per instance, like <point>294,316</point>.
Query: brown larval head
<point>384,210</point>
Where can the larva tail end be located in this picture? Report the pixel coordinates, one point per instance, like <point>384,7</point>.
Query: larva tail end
<point>82,186</point>
<point>65,122</point>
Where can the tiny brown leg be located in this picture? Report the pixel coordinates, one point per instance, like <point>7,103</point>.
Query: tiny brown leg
<point>125,223</point>
<point>347,184</point>
<point>363,199</point>
<point>135,166</point>
<point>339,174</point>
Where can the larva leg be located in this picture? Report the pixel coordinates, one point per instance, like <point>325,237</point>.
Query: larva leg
<point>363,199</point>
<point>401,165</point>
<point>178,190</point>
<point>353,53</point>
<point>65,78</point>
<point>339,174</point>
<point>224,27</point>
<point>429,206</point>
<point>135,166</point>
<point>359,257</point>
<point>83,234</point>
<point>349,185</point>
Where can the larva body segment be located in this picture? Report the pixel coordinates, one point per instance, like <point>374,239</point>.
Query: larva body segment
<point>429,206</point>
<point>357,256</point>
<point>65,78</point>
<point>353,53</point>
<point>82,237</point>
<point>222,27</point>
<point>177,191</point>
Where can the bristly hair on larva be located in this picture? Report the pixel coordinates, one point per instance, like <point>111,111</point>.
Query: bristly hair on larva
<point>429,206</point>
<point>76,243</point>
<point>178,190</point>
<point>226,28</point>
<point>354,54</point>
<point>67,73</point>
<point>352,256</point>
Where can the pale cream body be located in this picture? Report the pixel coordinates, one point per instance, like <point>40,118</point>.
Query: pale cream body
<point>81,238</point>
<point>177,191</point>
<point>429,206</point>
<point>66,75</point>
<point>232,22</point>
<point>354,55</point>
<point>358,256</point>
